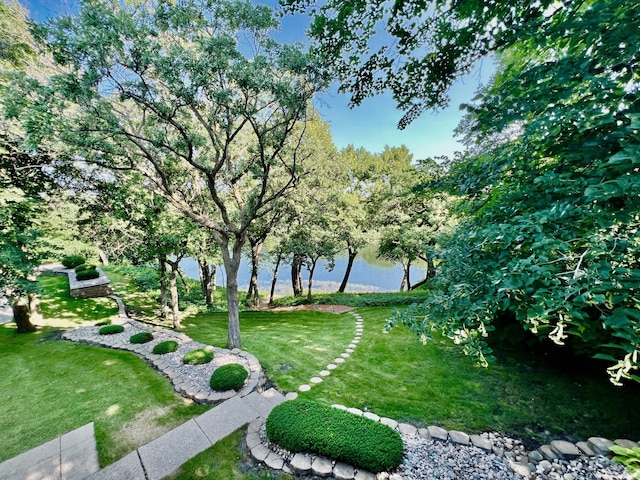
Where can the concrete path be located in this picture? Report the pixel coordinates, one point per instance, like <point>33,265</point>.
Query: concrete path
<point>73,456</point>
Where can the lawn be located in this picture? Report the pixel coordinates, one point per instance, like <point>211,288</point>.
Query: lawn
<point>51,386</point>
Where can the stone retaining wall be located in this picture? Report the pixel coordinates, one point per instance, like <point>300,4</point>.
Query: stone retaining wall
<point>96,287</point>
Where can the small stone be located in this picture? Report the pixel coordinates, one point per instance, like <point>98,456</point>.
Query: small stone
<point>322,467</point>
<point>481,442</point>
<point>600,445</point>
<point>438,433</point>
<point>568,476</point>
<point>301,463</point>
<point>316,380</point>
<point>407,429</point>
<point>564,449</point>
<point>339,360</point>
<point>365,475</point>
<point>349,350</point>
<point>304,388</point>
<point>497,451</point>
<point>544,466</point>
<point>535,457</point>
<point>291,396</point>
<point>460,438</point>
<point>520,469</point>
<point>342,471</point>
<point>260,452</point>
<point>332,366</point>
<point>625,443</point>
<point>585,449</point>
<point>345,355</point>
<point>548,453</point>
<point>274,461</point>
<point>324,373</point>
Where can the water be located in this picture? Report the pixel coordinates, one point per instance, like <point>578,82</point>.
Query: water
<point>367,275</point>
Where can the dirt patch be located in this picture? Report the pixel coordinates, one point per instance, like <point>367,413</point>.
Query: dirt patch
<point>143,428</point>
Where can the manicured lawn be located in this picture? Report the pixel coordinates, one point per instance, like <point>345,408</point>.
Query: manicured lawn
<point>396,376</point>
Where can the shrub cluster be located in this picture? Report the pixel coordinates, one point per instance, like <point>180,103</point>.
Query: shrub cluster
<point>86,272</point>
<point>72,261</point>
<point>228,377</point>
<point>312,427</point>
<point>197,357</point>
<point>167,346</point>
<point>141,337</point>
<point>103,322</point>
<point>111,329</point>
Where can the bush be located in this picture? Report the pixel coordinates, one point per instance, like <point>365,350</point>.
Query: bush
<point>311,427</point>
<point>167,346</point>
<point>228,377</point>
<point>111,329</point>
<point>85,267</point>
<point>103,322</point>
<point>72,261</point>
<point>87,275</point>
<point>142,337</point>
<point>198,357</point>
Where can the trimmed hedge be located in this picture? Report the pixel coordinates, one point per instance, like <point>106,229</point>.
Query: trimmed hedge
<point>111,329</point>
<point>228,377</point>
<point>72,261</point>
<point>103,322</point>
<point>168,346</point>
<point>86,272</point>
<point>141,337</point>
<point>197,357</point>
<point>312,427</point>
<point>85,267</point>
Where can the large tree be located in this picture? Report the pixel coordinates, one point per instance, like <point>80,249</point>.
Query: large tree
<point>195,96</point>
<point>552,234</point>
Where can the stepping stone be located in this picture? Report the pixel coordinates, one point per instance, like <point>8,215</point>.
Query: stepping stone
<point>345,355</point>
<point>351,345</point>
<point>481,442</point>
<point>342,471</point>
<point>339,360</point>
<point>316,380</point>
<point>600,445</point>
<point>304,388</point>
<point>324,373</point>
<point>349,350</point>
<point>332,366</point>
<point>565,450</point>
<point>356,342</point>
<point>438,433</point>
<point>460,438</point>
<point>291,396</point>
<point>300,463</point>
<point>322,467</point>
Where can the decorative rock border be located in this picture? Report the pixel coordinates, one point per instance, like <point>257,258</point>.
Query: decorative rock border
<point>525,465</point>
<point>193,386</point>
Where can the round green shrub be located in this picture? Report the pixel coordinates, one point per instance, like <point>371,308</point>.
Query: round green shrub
<point>167,346</point>
<point>103,322</point>
<point>111,329</point>
<point>228,377</point>
<point>72,261</point>
<point>198,357</point>
<point>85,267</point>
<point>87,275</point>
<point>312,427</point>
<point>142,337</point>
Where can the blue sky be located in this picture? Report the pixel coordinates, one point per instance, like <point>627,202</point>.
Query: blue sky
<point>371,125</point>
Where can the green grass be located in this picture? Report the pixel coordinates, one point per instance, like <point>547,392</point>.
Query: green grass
<point>225,460</point>
<point>50,387</point>
<point>396,376</point>
<point>63,311</point>
<point>357,299</point>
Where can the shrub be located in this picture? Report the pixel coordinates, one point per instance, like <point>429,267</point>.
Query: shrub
<point>198,357</point>
<point>103,322</point>
<point>167,346</point>
<point>87,275</point>
<point>85,267</point>
<point>141,337</point>
<point>228,377</point>
<point>111,329</point>
<point>72,261</point>
<point>311,427</point>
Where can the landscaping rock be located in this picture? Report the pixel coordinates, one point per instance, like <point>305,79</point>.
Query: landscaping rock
<point>300,463</point>
<point>407,429</point>
<point>565,450</point>
<point>438,433</point>
<point>342,471</point>
<point>481,442</point>
<point>459,437</point>
<point>625,443</point>
<point>548,453</point>
<point>585,449</point>
<point>274,461</point>
<point>364,475</point>
<point>260,452</point>
<point>600,445</point>
<point>323,467</point>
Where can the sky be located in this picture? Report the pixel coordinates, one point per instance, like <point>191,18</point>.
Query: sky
<point>372,125</point>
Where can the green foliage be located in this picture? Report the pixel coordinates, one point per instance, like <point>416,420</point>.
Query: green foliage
<point>358,299</point>
<point>228,377</point>
<point>306,426</point>
<point>551,233</point>
<point>168,346</point>
<point>87,275</point>
<point>111,329</point>
<point>85,267</point>
<point>629,457</point>
<point>102,323</point>
<point>198,356</point>
<point>141,337</point>
<point>74,260</point>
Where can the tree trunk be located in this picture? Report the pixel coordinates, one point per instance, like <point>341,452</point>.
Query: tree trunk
<point>232,265</point>
<point>173,289</point>
<point>274,280</point>
<point>296,276</point>
<point>431,268</point>
<point>256,248</point>
<point>311,270</point>
<point>207,274</point>
<point>408,278</point>
<point>164,309</point>
<point>405,276</point>
<point>103,257</point>
<point>22,316</point>
<point>352,256</point>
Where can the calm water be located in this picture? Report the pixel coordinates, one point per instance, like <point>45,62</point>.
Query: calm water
<point>367,275</point>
